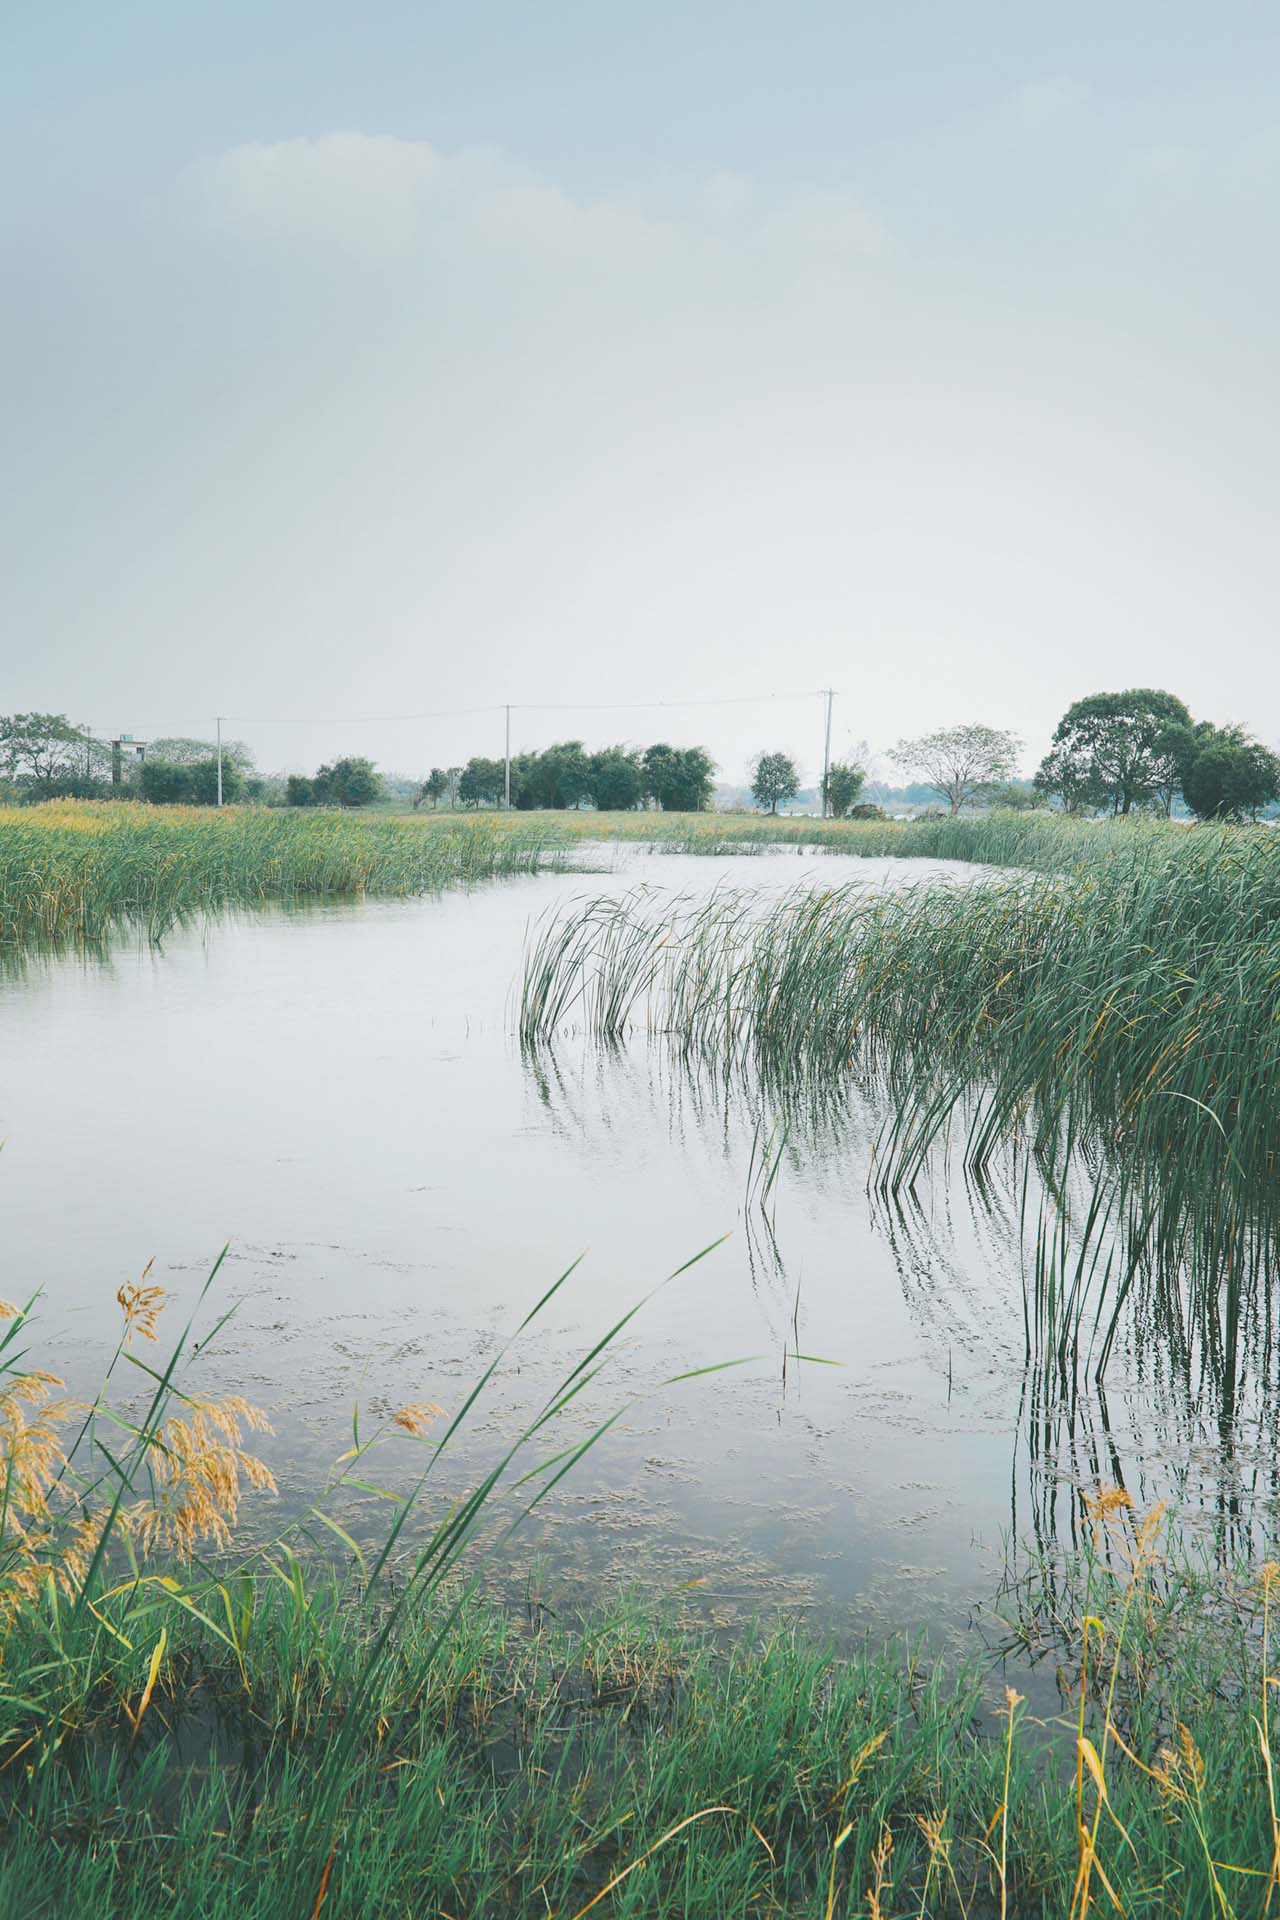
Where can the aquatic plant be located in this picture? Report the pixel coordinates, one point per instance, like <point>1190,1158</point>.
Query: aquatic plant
<point>73,872</point>
<point>1122,1019</point>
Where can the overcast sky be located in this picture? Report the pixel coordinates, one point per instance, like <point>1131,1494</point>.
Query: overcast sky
<point>369,361</point>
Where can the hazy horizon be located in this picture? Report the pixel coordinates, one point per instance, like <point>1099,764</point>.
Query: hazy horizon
<point>429,361</point>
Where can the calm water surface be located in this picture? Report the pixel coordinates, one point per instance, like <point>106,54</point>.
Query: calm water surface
<point>338,1092</point>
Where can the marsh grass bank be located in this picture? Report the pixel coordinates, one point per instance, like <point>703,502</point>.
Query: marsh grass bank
<point>72,873</point>
<point>354,1731</point>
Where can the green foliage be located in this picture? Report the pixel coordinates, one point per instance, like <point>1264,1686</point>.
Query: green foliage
<point>73,873</point>
<point>193,784</point>
<point>679,779</point>
<point>556,778</point>
<point>182,751</point>
<point>46,752</point>
<point>867,810</point>
<point>1116,1014</point>
<point>961,763</point>
<point>299,791</point>
<point>270,1734</point>
<point>617,780</point>
<point>845,781</point>
<point>1016,797</point>
<point>1118,750</point>
<point>773,779</point>
<point>433,788</point>
<point>347,783</point>
<point>483,783</point>
<point>1227,776</point>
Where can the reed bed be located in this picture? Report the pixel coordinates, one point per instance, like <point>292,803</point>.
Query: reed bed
<point>1038,842</point>
<point>1122,1018</point>
<point>73,872</point>
<point>188,1733</point>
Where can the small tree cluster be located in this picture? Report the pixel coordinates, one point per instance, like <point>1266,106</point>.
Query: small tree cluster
<point>194,783</point>
<point>47,755</point>
<point>347,783</point>
<point>1121,753</point>
<point>614,779</point>
<point>842,789</point>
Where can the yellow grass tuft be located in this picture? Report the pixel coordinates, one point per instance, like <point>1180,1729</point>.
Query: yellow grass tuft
<point>141,1306</point>
<point>416,1419</point>
<point>199,1464</point>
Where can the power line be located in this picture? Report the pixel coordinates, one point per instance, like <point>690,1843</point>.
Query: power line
<point>514,706</point>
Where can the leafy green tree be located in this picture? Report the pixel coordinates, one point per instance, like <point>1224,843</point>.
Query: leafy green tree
<point>433,788</point>
<point>564,775</point>
<point>1070,776</point>
<point>1120,750</point>
<point>844,783</point>
<point>45,751</point>
<point>299,791</point>
<point>181,750</point>
<point>483,783</point>
<point>195,784</point>
<point>961,763</point>
<point>678,779</point>
<point>616,779</point>
<point>1229,776</point>
<point>348,783</point>
<point>774,778</point>
<point>867,810</point>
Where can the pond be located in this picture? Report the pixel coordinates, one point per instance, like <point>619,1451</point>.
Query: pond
<point>338,1092</point>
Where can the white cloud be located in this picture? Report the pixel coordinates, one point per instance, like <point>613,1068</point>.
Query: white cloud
<point>1042,104</point>
<point>380,197</point>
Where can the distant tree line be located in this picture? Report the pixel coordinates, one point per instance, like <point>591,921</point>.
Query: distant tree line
<point>614,779</point>
<point>1112,753</point>
<point>347,783</point>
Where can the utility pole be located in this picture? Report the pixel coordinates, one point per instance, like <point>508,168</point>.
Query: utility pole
<point>219,759</point>
<point>826,750</point>
<point>508,790</point>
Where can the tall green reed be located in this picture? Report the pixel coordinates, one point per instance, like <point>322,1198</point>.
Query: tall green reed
<point>71,873</point>
<point>1122,1018</point>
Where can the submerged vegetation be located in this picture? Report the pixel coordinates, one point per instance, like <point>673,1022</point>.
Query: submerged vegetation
<point>291,1732</point>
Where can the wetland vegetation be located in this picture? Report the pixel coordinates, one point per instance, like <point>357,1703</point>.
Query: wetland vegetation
<point>185,1732</point>
<point>344,1721</point>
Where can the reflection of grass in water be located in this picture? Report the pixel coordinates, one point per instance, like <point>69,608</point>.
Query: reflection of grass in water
<point>364,1734</point>
<point>1122,1017</point>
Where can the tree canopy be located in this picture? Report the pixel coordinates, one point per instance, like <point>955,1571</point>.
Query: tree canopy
<point>616,779</point>
<point>1119,750</point>
<point>961,763</point>
<point>843,787</point>
<point>47,751</point>
<point>679,779</point>
<point>774,778</point>
<point>1229,776</point>
<point>193,783</point>
<point>182,750</point>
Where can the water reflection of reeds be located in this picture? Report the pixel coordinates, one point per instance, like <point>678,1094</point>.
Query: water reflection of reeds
<point>952,1042</point>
